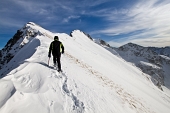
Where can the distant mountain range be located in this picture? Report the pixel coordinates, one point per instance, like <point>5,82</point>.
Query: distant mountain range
<point>153,61</point>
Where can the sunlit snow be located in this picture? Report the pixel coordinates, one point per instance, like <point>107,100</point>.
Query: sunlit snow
<point>93,80</point>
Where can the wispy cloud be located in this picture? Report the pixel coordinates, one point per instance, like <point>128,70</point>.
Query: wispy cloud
<point>125,22</point>
<point>44,10</point>
<point>70,17</point>
<point>149,17</point>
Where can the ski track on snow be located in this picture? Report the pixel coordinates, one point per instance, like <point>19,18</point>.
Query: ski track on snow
<point>134,102</point>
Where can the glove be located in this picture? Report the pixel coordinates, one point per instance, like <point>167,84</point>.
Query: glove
<point>49,55</point>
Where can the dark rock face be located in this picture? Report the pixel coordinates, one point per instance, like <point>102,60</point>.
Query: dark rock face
<point>7,52</point>
<point>102,43</point>
<point>88,36</point>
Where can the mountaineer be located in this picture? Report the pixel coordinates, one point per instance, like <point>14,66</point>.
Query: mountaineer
<point>56,47</point>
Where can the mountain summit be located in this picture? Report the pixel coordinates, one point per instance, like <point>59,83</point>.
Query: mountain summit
<point>94,80</point>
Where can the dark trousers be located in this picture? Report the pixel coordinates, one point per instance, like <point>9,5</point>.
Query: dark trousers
<point>57,58</point>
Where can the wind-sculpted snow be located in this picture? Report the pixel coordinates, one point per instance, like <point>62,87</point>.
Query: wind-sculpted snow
<point>7,90</point>
<point>93,80</point>
<point>27,81</point>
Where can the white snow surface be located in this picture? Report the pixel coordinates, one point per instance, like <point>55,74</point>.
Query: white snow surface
<point>93,80</point>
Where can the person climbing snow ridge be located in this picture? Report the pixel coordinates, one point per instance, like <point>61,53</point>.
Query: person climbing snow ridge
<point>56,47</point>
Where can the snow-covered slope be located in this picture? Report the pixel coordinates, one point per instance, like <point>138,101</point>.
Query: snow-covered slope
<point>94,80</point>
<point>150,61</point>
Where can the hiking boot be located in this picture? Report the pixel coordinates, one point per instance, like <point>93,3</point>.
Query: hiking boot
<point>59,70</point>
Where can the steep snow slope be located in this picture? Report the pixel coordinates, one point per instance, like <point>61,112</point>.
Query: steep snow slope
<point>93,81</point>
<point>16,44</point>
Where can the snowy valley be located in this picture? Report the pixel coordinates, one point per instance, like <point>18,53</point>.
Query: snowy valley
<point>96,78</point>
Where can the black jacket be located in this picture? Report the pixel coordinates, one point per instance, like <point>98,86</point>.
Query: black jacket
<point>56,47</point>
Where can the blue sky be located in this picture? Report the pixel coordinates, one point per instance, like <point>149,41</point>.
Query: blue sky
<point>144,22</point>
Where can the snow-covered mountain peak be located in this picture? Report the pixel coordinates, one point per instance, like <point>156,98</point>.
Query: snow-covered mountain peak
<point>92,77</point>
<point>80,33</point>
<point>132,46</point>
<point>23,36</point>
<point>137,50</point>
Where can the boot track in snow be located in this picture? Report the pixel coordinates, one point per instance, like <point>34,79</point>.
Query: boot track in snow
<point>78,106</point>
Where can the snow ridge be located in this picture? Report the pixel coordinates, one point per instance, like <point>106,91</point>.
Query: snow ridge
<point>94,80</point>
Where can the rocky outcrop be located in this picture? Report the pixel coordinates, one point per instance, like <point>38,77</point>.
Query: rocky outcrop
<point>102,42</point>
<point>7,53</point>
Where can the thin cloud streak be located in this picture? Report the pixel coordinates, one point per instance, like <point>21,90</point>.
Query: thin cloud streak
<point>151,42</point>
<point>149,17</point>
<point>130,21</point>
<point>70,17</point>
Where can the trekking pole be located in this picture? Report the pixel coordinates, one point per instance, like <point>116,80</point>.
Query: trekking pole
<point>48,61</point>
